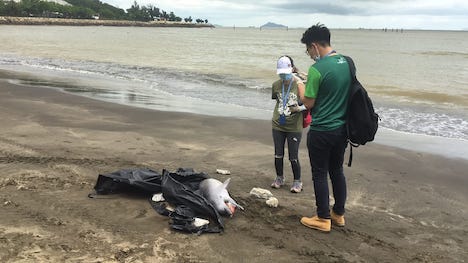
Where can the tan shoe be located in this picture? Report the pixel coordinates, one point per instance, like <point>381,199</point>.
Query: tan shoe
<point>317,223</point>
<point>337,219</point>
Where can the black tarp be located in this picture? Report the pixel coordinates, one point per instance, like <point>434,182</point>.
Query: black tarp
<point>143,180</point>
<point>179,189</point>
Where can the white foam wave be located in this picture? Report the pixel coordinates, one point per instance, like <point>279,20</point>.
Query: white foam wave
<point>429,123</point>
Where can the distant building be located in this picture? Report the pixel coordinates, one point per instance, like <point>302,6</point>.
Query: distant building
<point>52,14</point>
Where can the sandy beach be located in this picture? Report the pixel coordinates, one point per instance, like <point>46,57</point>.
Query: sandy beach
<point>403,206</point>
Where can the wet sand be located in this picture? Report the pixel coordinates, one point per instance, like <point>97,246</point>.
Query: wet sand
<point>403,206</point>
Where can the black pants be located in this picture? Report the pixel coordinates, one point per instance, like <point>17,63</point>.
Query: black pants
<point>326,154</point>
<point>294,140</point>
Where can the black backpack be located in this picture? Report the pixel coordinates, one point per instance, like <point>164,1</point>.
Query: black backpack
<point>361,120</point>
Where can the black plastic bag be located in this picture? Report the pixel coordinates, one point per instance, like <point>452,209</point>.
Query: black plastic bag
<point>179,189</point>
<point>183,219</point>
<point>146,181</point>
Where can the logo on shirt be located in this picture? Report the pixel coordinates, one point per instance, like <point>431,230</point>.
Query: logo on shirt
<point>341,60</point>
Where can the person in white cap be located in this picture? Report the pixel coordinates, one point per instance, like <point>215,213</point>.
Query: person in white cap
<point>287,121</point>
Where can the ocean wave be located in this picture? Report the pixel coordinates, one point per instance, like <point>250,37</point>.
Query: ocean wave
<point>421,96</point>
<point>209,87</point>
<point>420,122</point>
<point>444,53</point>
<point>131,72</point>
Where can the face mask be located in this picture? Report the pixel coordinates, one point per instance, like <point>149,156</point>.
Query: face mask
<point>284,76</point>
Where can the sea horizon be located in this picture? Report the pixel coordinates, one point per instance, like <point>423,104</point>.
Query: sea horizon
<point>344,28</point>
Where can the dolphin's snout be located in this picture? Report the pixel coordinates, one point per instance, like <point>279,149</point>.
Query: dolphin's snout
<point>231,207</point>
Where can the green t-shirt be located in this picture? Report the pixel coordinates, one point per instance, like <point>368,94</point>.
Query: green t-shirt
<point>293,120</point>
<point>328,83</point>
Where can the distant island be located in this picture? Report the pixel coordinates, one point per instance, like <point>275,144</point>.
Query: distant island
<point>89,12</point>
<point>273,25</point>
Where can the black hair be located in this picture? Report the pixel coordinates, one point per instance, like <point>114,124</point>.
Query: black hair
<point>292,62</point>
<point>316,34</point>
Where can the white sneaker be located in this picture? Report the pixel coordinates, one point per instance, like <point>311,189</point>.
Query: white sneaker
<point>278,182</point>
<point>296,187</point>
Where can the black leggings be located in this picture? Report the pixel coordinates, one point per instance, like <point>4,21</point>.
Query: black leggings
<point>294,139</point>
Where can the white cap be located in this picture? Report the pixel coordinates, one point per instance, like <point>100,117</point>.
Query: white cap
<point>284,66</point>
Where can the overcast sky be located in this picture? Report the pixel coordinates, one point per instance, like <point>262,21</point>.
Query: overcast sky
<point>408,14</point>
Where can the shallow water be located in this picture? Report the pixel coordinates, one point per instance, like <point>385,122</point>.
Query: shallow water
<point>417,79</point>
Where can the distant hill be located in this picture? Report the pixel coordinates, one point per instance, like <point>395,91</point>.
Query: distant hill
<point>60,2</point>
<point>74,9</point>
<point>273,25</point>
<point>89,9</point>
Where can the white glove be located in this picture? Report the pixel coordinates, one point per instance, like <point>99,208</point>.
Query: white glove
<point>297,108</point>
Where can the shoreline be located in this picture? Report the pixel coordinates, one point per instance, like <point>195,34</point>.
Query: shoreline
<point>402,205</point>
<point>5,20</point>
<point>446,147</point>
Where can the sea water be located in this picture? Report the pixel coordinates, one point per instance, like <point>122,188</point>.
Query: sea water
<point>418,80</point>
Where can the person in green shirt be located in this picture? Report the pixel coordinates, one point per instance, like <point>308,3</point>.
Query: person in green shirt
<point>326,94</point>
<point>287,121</point>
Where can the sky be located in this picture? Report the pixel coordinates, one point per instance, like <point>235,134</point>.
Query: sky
<point>406,14</point>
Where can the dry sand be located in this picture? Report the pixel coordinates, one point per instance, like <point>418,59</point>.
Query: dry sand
<point>402,207</point>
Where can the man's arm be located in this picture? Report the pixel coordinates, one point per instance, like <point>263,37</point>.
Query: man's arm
<point>308,102</point>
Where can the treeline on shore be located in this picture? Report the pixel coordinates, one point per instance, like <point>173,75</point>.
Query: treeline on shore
<point>89,9</point>
<point>16,20</point>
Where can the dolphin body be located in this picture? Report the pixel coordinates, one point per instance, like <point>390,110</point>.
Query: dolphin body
<point>216,193</point>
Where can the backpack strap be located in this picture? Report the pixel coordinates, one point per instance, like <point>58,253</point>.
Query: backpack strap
<point>352,67</point>
<point>352,71</point>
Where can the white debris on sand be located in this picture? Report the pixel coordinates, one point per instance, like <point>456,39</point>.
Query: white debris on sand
<point>272,202</point>
<point>222,171</point>
<point>261,193</point>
